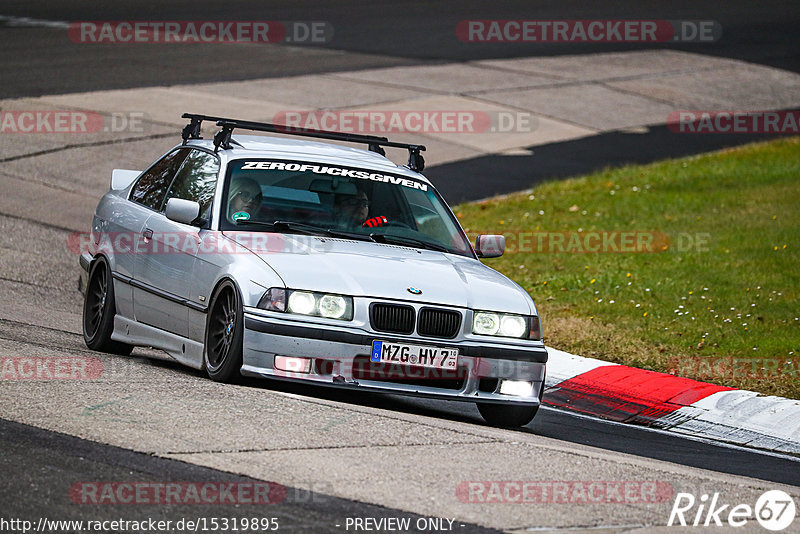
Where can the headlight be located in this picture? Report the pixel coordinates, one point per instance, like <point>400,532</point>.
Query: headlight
<point>332,306</point>
<point>487,324</point>
<point>307,303</point>
<point>505,325</point>
<point>512,326</point>
<point>302,303</point>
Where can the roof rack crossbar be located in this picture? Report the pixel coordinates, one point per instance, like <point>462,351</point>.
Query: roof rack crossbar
<point>223,137</point>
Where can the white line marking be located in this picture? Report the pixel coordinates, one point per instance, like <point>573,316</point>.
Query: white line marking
<point>27,22</point>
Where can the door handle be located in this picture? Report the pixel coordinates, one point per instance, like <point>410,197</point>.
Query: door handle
<point>147,234</point>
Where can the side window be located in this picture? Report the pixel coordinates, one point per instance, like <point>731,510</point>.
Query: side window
<point>196,180</point>
<point>151,187</point>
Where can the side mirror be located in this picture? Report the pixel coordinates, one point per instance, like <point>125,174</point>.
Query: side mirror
<point>182,211</point>
<point>490,246</point>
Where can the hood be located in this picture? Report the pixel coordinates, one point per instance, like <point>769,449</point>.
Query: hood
<point>361,268</point>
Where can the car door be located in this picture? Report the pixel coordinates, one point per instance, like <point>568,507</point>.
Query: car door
<point>145,197</point>
<point>164,272</point>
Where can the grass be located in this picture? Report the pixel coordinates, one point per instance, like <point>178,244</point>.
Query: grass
<point>716,299</point>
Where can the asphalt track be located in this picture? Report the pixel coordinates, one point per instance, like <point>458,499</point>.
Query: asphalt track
<point>37,464</point>
<point>36,61</point>
<point>39,467</point>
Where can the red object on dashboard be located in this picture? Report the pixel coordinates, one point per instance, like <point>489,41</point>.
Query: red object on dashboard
<point>380,220</point>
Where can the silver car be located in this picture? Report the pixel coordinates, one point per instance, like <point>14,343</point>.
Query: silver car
<point>291,259</point>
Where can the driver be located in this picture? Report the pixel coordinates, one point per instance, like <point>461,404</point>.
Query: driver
<point>352,211</point>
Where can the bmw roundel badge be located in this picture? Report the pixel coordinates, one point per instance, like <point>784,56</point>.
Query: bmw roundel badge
<point>414,290</point>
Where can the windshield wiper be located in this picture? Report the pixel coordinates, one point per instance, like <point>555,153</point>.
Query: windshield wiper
<point>403,240</point>
<point>247,222</point>
<point>299,227</point>
<point>318,230</point>
<point>286,225</point>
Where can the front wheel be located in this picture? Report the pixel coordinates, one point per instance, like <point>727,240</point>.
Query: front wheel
<point>224,326</point>
<point>507,415</point>
<point>99,310</point>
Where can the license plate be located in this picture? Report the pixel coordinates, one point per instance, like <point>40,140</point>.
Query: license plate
<point>419,355</point>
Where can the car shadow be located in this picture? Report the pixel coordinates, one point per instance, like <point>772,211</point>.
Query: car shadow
<point>561,425</point>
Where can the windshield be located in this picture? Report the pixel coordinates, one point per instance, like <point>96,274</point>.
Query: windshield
<point>288,196</point>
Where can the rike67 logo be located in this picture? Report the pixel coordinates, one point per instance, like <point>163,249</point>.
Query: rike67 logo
<point>774,510</point>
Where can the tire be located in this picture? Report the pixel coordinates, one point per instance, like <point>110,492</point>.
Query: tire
<point>222,353</point>
<point>99,309</point>
<point>507,415</point>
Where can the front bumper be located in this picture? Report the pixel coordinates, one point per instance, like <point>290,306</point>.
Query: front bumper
<point>340,357</point>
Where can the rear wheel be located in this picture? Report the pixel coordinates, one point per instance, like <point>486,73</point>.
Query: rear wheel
<point>507,415</point>
<point>99,310</point>
<point>224,334</point>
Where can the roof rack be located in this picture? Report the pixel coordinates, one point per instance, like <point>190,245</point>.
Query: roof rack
<point>223,137</point>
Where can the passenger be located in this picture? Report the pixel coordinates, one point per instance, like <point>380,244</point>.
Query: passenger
<point>244,199</point>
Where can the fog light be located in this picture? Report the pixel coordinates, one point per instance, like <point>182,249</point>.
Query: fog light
<point>292,364</point>
<point>519,388</point>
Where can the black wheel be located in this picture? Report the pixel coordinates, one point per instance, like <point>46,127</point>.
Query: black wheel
<point>99,310</point>
<point>507,415</point>
<point>224,333</point>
